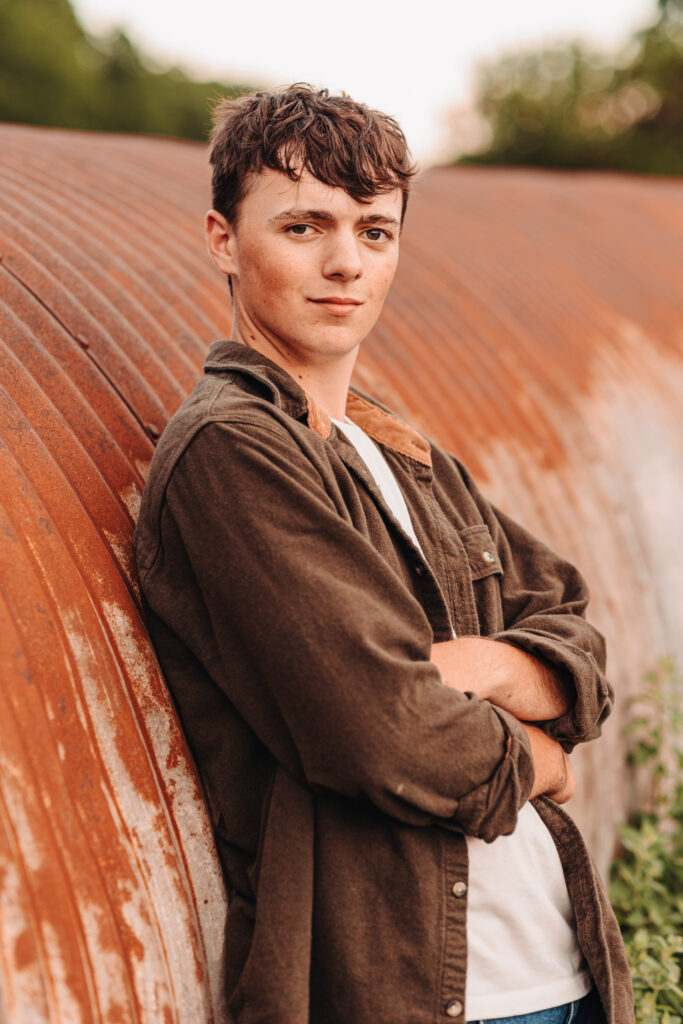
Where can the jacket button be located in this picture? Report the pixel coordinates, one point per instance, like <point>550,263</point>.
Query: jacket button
<point>487,556</point>
<point>453,1008</point>
<point>459,890</point>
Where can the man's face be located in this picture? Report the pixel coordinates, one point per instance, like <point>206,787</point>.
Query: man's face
<point>310,266</point>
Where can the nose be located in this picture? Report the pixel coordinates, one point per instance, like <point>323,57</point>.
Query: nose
<point>342,259</point>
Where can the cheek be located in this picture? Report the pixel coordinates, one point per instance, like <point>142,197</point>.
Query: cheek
<point>271,277</point>
<point>382,279</point>
<point>264,281</point>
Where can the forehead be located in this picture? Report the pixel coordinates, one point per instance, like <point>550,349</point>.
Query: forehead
<point>272,192</point>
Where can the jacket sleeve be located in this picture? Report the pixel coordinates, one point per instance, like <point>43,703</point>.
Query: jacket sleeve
<point>544,599</point>
<point>318,643</point>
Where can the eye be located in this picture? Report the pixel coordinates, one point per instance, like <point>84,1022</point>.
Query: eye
<point>377,235</point>
<point>299,230</point>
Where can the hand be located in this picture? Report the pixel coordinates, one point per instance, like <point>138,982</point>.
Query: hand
<point>554,772</point>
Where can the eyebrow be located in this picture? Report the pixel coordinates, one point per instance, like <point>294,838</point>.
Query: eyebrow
<point>379,218</point>
<point>296,213</point>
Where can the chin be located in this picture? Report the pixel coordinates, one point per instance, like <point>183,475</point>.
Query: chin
<point>335,347</point>
<point>330,342</point>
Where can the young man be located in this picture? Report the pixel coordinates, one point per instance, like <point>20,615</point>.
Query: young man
<point>357,641</point>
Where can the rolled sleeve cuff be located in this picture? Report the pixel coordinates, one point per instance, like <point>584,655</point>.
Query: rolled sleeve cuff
<point>593,694</point>
<point>491,810</point>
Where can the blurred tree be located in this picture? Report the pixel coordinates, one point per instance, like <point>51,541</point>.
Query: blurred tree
<point>39,71</point>
<point>53,73</point>
<point>568,106</point>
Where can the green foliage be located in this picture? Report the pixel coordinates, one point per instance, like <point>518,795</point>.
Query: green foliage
<point>53,73</point>
<point>568,106</point>
<point>646,879</point>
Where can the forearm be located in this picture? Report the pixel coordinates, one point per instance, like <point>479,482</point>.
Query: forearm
<point>524,686</point>
<point>527,687</point>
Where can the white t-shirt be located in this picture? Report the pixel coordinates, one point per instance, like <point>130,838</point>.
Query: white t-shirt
<point>384,478</point>
<point>522,953</point>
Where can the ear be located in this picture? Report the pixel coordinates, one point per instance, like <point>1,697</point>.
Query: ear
<point>220,238</point>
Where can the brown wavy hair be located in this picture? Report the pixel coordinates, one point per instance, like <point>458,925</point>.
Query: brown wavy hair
<point>340,142</point>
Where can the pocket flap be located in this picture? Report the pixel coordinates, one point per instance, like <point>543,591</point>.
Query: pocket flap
<point>481,552</point>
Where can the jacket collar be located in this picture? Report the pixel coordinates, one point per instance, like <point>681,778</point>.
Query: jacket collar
<point>381,425</point>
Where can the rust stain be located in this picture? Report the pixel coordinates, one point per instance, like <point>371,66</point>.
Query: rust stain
<point>535,329</point>
<point>24,950</point>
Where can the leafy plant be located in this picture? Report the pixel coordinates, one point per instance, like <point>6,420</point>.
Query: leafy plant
<point>646,879</point>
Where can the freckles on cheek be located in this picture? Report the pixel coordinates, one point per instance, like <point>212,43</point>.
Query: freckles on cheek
<point>272,275</point>
<point>266,281</point>
<point>276,289</point>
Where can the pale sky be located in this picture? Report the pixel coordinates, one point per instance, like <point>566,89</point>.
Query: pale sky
<point>415,61</point>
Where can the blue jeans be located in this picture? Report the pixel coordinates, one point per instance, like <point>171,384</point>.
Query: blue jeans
<point>578,1012</point>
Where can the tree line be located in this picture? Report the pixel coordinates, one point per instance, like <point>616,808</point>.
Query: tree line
<point>570,106</point>
<point>565,105</point>
<point>54,73</point>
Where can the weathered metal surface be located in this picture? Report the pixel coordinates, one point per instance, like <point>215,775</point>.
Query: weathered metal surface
<point>535,329</point>
<point>111,901</point>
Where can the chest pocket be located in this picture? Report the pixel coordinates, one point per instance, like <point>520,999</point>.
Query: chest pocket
<point>486,573</point>
<point>481,552</point>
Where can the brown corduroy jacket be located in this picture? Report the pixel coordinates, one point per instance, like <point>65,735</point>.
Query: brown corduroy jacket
<point>293,619</point>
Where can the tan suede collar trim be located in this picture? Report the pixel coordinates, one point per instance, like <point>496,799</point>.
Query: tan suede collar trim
<point>379,425</point>
<point>318,419</point>
<point>388,429</point>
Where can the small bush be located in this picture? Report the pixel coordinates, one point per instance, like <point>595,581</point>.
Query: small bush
<point>646,879</point>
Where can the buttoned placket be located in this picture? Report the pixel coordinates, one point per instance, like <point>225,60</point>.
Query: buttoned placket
<point>458,578</point>
<point>453,974</point>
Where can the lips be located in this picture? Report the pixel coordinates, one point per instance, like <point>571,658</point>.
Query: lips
<point>337,305</point>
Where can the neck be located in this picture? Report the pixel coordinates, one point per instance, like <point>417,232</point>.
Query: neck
<point>326,378</point>
<point>328,386</point>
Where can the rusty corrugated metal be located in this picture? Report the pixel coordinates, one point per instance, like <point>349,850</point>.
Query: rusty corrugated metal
<point>535,328</point>
<point>111,901</point>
